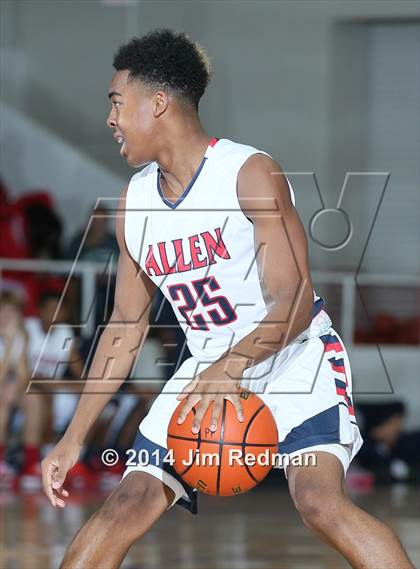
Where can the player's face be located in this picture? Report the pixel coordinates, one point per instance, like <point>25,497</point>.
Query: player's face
<point>132,118</point>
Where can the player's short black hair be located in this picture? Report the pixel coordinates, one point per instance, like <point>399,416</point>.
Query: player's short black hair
<point>167,60</point>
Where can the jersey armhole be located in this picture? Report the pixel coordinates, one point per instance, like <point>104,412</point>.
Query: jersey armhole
<point>292,194</point>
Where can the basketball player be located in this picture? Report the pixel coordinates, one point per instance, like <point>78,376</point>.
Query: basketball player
<point>213,224</point>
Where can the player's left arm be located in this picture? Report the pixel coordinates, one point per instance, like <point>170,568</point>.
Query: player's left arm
<point>282,260</point>
<point>281,249</point>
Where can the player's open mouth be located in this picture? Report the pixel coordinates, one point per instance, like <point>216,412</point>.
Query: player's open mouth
<point>119,138</point>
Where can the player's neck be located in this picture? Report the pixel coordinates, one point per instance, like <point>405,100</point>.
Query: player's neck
<point>181,155</point>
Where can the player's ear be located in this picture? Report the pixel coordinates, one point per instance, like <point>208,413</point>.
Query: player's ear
<point>160,103</point>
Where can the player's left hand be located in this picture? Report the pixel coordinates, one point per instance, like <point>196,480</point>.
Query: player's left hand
<point>213,384</point>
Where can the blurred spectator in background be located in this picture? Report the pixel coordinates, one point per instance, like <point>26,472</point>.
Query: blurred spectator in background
<point>13,371</point>
<point>96,243</point>
<point>29,229</point>
<point>43,225</point>
<point>386,328</point>
<point>388,451</point>
<point>52,354</point>
<point>13,241</point>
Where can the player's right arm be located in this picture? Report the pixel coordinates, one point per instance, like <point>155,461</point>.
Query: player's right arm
<point>117,349</point>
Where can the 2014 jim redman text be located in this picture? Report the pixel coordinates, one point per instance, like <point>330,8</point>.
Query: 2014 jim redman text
<point>236,456</point>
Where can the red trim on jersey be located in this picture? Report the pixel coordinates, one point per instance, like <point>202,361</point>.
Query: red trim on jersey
<point>339,368</point>
<point>333,346</point>
<point>213,142</point>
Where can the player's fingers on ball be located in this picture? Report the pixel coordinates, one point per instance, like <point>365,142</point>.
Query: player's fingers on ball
<point>201,410</point>
<point>192,400</point>
<point>235,399</point>
<point>217,408</point>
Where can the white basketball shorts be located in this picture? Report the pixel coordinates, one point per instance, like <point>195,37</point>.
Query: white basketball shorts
<point>308,388</point>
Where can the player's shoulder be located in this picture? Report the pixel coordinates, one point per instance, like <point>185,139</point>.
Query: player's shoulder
<point>261,171</point>
<point>238,155</point>
<point>226,147</point>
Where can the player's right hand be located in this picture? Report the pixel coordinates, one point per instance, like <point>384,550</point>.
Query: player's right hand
<point>54,470</point>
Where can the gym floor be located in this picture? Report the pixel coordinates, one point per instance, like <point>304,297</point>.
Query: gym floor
<point>259,530</point>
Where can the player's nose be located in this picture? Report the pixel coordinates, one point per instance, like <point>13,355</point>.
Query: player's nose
<point>110,121</point>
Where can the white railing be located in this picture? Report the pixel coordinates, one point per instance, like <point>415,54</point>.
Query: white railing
<point>88,271</point>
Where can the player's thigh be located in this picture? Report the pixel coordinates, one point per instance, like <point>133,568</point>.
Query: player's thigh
<point>149,452</point>
<point>155,425</point>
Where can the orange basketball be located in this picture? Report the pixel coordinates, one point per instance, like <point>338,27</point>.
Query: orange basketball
<point>234,458</point>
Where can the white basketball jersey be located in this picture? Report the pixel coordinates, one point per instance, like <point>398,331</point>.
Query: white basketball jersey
<point>200,250</point>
